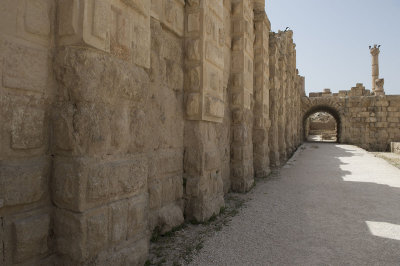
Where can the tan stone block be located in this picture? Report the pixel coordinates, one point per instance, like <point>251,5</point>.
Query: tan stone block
<point>395,103</point>
<point>100,79</point>
<point>237,153</point>
<point>137,215</point>
<point>120,44</point>
<point>27,128</point>
<point>141,44</point>
<point>240,134</point>
<point>81,236</point>
<point>69,182</point>
<point>97,231</point>
<point>155,195</point>
<point>165,163</point>
<point>214,108</point>
<point>173,15</point>
<point>193,22</point>
<point>194,75</point>
<point>8,14</point>
<point>80,184</point>
<point>393,119</point>
<point>382,103</point>
<point>394,114</point>
<point>70,234</point>
<point>84,22</point>
<point>212,160</point>
<point>119,221</point>
<point>178,183</point>
<point>395,147</point>
<point>25,68</point>
<point>193,108</point>
<point>91,129</point>
<point>169,217</point>
<point>23,181</point>
<point>31,236</point>
<point>175,76</point>
<point>168,190</point>
<point>37,17</point>
<point>382,124</point>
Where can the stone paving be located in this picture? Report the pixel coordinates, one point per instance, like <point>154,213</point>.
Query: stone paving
<point>330,204</point>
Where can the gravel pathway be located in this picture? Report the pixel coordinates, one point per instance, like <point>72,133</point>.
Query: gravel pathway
<point>329,205</point>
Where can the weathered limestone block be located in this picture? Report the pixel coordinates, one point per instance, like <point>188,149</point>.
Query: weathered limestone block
<point>90,76</point>
<point>261,95</point>
<point>273,101</point>
<point>119,27</point>
<point>91,129</point>
<point>24,126</point>
<point>84,22</point>
<point>29,20</point>
<point>202,171</point>
<point>31,237</point>
<point>26,237</point>
<point>358,90</point>
<point>204,43</point>
<point>23,181</point>
<point>80,184</point>
<point>242,75</point>
<point>171,13</point>
<point>25,67</point>
<point>35,21</point>
<point>84,236</point>
<point>27,128</point>
<point>165,163</point>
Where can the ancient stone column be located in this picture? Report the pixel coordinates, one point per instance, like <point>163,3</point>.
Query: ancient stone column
<point>241,92</point>
<point>375,64</point>
<point>273,100</point>
<point>261,95</point>
<point>205,107</point>
<point>99,180</point>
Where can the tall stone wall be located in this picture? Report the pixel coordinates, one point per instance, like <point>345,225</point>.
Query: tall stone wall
<point>124,117</point>
<point>286,86</point>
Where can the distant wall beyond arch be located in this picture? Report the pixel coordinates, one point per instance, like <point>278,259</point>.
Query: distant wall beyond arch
<point>326,109</point>
<point>314,105</point>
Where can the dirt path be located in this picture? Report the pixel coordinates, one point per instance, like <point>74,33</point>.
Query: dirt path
<point>331,204</point>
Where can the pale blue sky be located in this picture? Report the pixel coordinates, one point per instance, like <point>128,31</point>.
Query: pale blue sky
<point>333,36</point>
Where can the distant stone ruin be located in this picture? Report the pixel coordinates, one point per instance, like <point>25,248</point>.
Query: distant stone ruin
<point>321,126</point>
<point>122,117</point>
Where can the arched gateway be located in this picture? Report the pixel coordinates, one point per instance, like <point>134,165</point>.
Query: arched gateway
<point>328,105</point>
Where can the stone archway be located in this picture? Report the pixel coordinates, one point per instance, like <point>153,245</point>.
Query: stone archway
<point>328,105</point>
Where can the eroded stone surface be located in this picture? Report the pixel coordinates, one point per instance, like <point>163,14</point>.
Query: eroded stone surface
<point>121,117</point>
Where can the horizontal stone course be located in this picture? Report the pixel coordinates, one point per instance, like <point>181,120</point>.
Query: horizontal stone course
<point>84,236</point>
<point>80,183</point>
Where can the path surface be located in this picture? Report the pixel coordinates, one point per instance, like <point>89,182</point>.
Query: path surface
<point>330,205</point>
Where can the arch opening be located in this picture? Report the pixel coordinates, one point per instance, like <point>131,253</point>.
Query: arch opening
<point>322,124</point>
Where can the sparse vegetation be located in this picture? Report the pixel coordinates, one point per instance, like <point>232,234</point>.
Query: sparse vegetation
<point>179,245</point>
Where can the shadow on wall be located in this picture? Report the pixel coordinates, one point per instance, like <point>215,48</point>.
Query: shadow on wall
<point>351,212</point>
